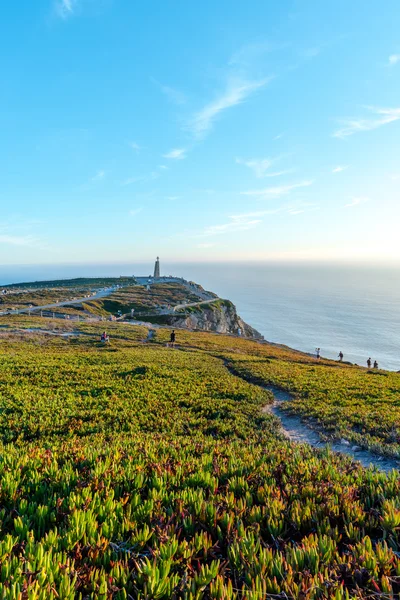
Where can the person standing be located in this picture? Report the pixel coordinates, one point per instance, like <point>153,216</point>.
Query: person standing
<point>172,339</point>
<point>376,366</point>
<point>340,356</point>
<point>369,363</point>
<point>318,353</point>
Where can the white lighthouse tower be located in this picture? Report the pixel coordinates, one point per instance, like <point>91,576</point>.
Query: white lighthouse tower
<point>157,268</point>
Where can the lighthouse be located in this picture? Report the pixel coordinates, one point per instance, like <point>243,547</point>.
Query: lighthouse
<point>157,268</point>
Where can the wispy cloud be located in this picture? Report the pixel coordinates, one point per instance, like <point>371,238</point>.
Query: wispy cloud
<point>277,191</point>
<point>256,214</point>
<point>176,154</point>
<point>249,54</point>
<point>340,168</point>
<point>290,209</point>
<point>382,116</point>
<point>250,220</point>
<point>99,176</point>
<point>261,167</point>
<point>135,211</point>
<point>175,96</point>
<point>19,240</point>
<point>65,8</point>
<point>172,198</point>
<point>15,232</point>
<point>311,52</point>
<point>135,146</point>
<point>357,201</point>
<point>394,59</point>
<point>236,92</point>
<point>295,211</point>
<point>235,223</point>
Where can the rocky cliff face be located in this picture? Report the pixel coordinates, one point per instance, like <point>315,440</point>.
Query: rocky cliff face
<point>220,316</point>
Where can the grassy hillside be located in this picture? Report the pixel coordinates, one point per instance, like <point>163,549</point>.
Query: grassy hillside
<point>145,301</point>
<point>133,470</point>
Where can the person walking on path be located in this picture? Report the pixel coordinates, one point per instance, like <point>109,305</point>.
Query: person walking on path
<point>340,356</point>
<point>376,366</point>
<point>172,339</point>
<point>318,351</point>
<point>369,363</point>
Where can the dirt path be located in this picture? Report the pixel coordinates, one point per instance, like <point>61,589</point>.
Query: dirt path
<point>298,431</point>
<point>44,331</point>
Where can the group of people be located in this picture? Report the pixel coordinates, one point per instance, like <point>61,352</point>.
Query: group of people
<point>369,364</point>
<point>341,356</point>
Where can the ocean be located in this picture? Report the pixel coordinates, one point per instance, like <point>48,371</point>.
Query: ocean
<point>353,309</point>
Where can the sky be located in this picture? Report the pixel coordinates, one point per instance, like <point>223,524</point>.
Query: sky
<point>199,131</point>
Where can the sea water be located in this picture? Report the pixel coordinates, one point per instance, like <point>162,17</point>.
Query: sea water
<point>353,309</point>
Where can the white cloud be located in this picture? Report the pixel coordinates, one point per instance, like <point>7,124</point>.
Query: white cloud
<point>134,146</point>
<point>311,52</point>
<point>236,92</point>
<point>290,209</point>
<point>340,168</point>
<point>135,211</point>
<point>277,191</point>
<point>19,240</point>
<point>99,175</point>
<point>383,116</point>
<point>250,220</point>
<point>261,166</point>
<point>279,136</point>
<point>173,95</point>
<point>394,59</point>
<point>235,223</point>
<point>176,154</point>
<point>65,8</point>
<point>172,198</point>
<point>256,214</point>
<point>246,55</point>
<point>357,201</point>
<point>164,167</point>
<point>131,180</point>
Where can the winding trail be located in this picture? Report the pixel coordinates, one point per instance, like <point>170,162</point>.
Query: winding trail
<point>296,430</point>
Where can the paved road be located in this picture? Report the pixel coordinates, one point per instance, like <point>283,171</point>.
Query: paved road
<point>206,298</point>
<point>100,294</point>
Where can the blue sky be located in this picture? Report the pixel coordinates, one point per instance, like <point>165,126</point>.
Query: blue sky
<point>199,130</point>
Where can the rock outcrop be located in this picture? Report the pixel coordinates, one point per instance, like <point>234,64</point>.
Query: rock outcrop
<point>219,316</point>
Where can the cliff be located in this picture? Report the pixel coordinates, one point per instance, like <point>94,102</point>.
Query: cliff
<point>219,316</point>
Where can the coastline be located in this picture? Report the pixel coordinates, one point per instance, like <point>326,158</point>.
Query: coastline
<point>298,306</point>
